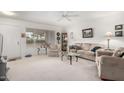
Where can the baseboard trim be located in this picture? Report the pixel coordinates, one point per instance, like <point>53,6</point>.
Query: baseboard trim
<point>13,59</point>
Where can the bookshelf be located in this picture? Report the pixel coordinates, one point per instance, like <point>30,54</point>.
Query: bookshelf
<point>64,41</point>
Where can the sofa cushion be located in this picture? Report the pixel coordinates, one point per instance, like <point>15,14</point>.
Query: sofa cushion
<point>118,52</point>
<point>82,46</point>
<point>84,52</point>
<point>81,51</point>
<point>86,46</point>
<point>89,53</point>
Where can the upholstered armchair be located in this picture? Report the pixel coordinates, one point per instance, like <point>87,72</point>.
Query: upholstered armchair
<point>102,52</point>
<point>109,67</point>
<point>54,50</point>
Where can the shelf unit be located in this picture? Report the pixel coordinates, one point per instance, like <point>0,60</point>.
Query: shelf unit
<point>64,42</point>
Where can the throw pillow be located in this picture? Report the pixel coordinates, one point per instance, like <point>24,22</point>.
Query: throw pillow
<point>117,53</point>
<point>122,54</point>
<point>123,57</point>
<point>95,48</point>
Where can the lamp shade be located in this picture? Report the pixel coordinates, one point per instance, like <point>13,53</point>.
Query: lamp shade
<point>108,34</point>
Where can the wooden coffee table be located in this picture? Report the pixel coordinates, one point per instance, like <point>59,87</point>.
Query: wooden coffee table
<point>71,55</point>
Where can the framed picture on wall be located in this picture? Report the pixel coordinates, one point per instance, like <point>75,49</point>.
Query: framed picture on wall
<point>118,33</point>
<point>87,33</point>
<point>118,27</point>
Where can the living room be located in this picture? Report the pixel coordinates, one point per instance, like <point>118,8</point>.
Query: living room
<point>64,46</point>
<point>52,41</point>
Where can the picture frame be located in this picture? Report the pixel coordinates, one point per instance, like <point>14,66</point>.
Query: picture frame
<point>118,33</point>
<point>87,33</point>
<point>119,27</point>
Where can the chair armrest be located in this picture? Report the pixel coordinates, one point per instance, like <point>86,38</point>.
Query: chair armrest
<point>112,61</point>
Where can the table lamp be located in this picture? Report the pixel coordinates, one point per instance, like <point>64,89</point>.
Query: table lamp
<point>109,36</point>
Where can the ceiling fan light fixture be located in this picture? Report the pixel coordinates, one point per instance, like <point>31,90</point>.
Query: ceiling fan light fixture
<point>67,16</point>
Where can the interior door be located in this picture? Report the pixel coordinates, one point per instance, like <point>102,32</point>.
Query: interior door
<point>11,38</point>
<point>13,42</point>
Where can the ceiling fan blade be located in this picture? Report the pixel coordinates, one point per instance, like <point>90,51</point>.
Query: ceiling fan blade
<point>72,15</point>
<point>60,19</point>
<point>68,18</point>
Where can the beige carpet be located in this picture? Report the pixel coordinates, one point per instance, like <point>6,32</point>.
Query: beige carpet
<point>42,68</point>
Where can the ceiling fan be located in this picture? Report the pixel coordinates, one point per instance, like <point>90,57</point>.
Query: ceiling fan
<point>67,16</point>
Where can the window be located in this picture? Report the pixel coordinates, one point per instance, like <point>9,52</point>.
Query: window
<point>35,38</point>
<point>29,37</point>
<point>39,37</point>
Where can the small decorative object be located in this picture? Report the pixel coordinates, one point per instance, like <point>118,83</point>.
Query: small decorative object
<point>119,33</point>
<point>29,55</point>
<point>118,27</point>
<point>87,33</point>
<point>108,35</point>
<point>58,37</point>
<point>71,35</point>
<point>23,35</point>
<point>58,34</point>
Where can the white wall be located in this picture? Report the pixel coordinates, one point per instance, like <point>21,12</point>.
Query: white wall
<point>51,37</point>
<point>22,25</point>
<point>100,25</point>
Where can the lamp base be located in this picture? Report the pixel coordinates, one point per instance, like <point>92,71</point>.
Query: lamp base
<point>108,42</point>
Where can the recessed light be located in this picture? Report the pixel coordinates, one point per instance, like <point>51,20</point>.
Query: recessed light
<point>8,13</point>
